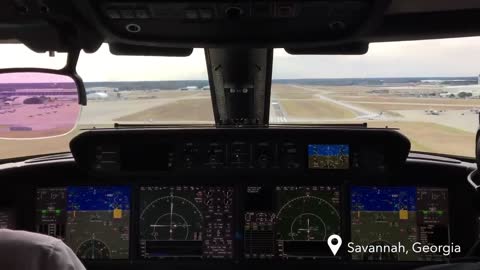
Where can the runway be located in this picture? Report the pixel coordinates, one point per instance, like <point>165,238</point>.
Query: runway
<point>277,113</point>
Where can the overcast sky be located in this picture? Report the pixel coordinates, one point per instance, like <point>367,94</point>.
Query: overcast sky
<point>448,57</point>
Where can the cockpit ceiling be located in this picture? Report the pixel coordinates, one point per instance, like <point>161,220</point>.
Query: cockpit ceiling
<point>56,25</point>
<point>416,6</point>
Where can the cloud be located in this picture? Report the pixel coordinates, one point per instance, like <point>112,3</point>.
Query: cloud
<point>103,66</point>
<point>447,57</point>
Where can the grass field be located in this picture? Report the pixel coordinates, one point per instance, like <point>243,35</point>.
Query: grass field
<point>19,148</point>
<point>193,110</point>
<point>379,107</point>
<point>297,105</point>
<point>316,109</point>
<point>393,99</point>
<point>427,137</point>
<point>382,103</point>
<point>431,137</point>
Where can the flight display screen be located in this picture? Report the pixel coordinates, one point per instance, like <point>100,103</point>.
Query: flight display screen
<point>392,215</point>
<point>186,222</point>
<point>290,222</point>
<point>93,221</point>
<point>329,156</point>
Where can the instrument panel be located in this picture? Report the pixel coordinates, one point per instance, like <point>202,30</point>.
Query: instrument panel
<point>213,197</point>
<point>252,222</point>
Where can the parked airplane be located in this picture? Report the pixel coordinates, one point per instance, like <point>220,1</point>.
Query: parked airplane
<point>475,110</point>
<point>189,88</point>
<point>97,95</point>
<point>374,116</point>
<point>8,101</point>
<point>433,112</point>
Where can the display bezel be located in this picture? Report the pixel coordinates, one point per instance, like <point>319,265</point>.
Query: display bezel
<point>37,221</point>
<point>344,185</point>
<point>397,185</point>
<point>138,245</point>
<point>274,197</point>
<point>349,156</point>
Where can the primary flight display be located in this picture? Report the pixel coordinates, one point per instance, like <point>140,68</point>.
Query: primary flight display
<point>399,215</point>
<point>329,156</point>
<point>93,221</point>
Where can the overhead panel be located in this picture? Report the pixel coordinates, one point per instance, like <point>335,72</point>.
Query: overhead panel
<point>213,23</point>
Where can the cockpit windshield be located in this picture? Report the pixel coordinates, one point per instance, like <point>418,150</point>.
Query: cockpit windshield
<point>429,89</point>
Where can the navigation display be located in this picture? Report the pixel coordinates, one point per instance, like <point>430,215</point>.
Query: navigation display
<point>290,221</point>
<point>329,156</point>
<point>93,221</point>
<point>405,215</point>
<point>186,221</point>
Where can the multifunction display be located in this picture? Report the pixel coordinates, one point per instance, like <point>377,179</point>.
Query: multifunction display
<point>392,216</point>
<point>93,221</point>
<point>186,221</point>
<point>329,156</point>
<point>290,221</point>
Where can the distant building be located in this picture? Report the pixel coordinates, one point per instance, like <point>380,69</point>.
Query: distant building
<point>447,95</point>
<point>189,88</point>
<point>101,89</point>
<point>97,95</point>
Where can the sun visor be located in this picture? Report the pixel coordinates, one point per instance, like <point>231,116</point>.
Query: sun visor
<point>357,48</point>
<point>127,49</point>
<point>40,36</point>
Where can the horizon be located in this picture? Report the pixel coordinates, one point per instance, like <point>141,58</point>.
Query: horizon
<point>446,78</point>
<point>299,79</point>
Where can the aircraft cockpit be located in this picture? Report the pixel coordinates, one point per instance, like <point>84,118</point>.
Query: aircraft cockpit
<point>242,134</point>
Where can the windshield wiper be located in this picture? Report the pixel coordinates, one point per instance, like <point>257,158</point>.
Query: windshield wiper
<point>133,126</point>
<point>273,125</point>
<point>344,125</point>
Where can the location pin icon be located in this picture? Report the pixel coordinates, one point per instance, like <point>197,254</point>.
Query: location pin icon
<point>334,242</point>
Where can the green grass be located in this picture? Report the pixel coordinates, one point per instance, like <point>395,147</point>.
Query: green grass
<point>315,109</point>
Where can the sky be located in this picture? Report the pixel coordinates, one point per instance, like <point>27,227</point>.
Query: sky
<point>34,77</point>
<point>428,58</point>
